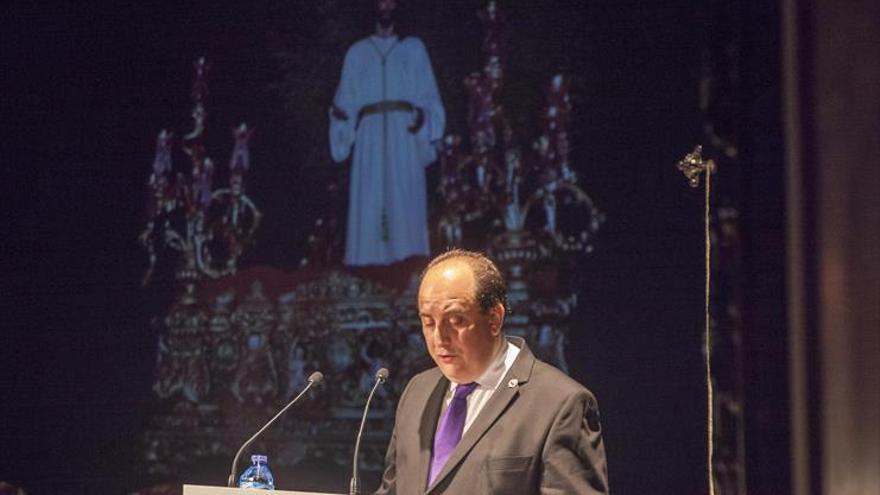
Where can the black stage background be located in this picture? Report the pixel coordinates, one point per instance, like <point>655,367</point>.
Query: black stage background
<point>87,87</point>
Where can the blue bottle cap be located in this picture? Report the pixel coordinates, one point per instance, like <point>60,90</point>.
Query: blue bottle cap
<point>259,458</point>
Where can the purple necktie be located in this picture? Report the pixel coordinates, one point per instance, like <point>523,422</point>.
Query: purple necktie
<point>451,427</point>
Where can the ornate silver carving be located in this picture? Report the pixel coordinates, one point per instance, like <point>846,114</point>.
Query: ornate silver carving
<point>209,229</point>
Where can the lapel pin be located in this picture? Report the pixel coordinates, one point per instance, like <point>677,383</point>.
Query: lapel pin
<point>513,382</point>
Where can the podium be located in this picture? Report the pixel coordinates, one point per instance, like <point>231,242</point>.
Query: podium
<point>223,490</point>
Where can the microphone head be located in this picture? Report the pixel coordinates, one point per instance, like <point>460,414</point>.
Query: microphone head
<point>316,377</point>
<point>382,375</point>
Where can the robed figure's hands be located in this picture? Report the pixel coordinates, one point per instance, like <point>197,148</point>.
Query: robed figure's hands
<point>418,121</point>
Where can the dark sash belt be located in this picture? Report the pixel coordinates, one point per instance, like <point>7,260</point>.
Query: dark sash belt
<point>385,107</point>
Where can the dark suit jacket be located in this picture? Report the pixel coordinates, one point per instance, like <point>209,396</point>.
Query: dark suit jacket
<point>538,433</point>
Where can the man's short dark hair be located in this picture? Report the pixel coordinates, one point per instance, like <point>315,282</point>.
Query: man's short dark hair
<point>491,287</point>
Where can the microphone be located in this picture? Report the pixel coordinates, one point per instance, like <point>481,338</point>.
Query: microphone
<point>354,487</point>
<point>314,379</point>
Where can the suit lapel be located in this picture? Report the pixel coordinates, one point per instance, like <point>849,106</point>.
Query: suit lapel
<point>504,395</point>
<point>430,406</point>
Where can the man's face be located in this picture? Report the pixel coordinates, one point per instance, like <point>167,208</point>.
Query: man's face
<point>460,338</point>
<point>385,12</point>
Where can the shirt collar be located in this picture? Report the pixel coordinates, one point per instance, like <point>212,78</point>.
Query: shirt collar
<point>501,362</point>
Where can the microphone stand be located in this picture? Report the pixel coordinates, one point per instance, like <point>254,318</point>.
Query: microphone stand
<point>354,487</point>
<point>314,379</point>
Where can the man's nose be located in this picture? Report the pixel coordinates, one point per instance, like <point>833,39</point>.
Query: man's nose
<point>441,333</point>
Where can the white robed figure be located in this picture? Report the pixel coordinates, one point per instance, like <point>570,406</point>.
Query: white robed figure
<point>387,108</point>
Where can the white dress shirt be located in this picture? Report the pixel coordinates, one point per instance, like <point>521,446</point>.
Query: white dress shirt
<point>486,384</point>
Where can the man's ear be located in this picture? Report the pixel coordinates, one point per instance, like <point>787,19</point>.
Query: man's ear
<point>496,319</point>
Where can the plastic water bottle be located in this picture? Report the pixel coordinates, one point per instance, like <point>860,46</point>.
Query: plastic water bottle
<point>257,475</point>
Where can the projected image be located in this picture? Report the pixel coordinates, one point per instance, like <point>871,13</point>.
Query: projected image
<point>239,341</point>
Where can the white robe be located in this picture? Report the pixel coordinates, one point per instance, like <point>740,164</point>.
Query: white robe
<point>387,212</point>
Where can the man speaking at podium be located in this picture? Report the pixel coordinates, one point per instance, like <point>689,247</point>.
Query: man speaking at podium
<point>490,418</point>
